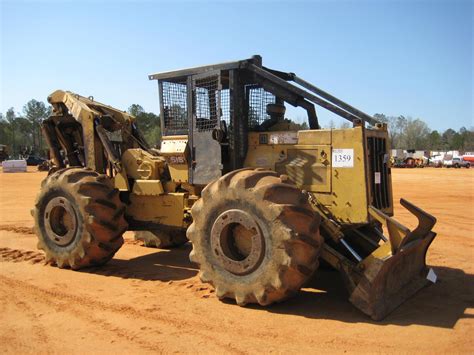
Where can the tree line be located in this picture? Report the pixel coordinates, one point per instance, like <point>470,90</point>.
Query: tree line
<point>409,133</point>
<point>21,132</point>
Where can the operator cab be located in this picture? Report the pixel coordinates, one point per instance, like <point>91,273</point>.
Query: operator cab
<point>217,108</point>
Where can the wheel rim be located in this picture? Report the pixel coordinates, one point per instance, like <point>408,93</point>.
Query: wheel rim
<point>237,242</point>
<point>60,221</point>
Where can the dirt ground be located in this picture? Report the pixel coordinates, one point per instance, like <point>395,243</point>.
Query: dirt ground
<point>150,300</point>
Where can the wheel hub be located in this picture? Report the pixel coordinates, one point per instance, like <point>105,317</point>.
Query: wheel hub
<point>60,221</point>
<point>237,242</point>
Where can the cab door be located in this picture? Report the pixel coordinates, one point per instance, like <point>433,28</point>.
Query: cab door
<point>206,159</point>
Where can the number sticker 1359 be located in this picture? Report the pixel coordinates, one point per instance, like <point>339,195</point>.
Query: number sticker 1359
<point>343,158</point>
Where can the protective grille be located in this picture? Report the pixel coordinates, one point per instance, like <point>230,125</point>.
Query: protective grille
<point>225,106</point>
<point>258,99</point>
<point>206,102</point>
<point>378,172</point>
<point>174,106</point>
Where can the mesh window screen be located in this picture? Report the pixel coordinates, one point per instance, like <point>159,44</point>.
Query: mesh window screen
<point>225,106</point>
<point>206,99</point>
<point>258,99</point>
<point>174,105</point>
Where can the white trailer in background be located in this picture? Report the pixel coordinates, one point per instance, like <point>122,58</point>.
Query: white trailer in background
<point>398,154</point>
<point>417,154</point>
<point>14,166</point>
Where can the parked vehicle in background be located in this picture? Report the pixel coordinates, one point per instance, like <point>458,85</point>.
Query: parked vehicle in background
<point>408,163</point>
<point>409,158</point>
<point>468,157</point>
<point>3,152</point>
<point>457,162</point>
<point>45,165</point>
<point>436,161</point>
<point>33,160</point>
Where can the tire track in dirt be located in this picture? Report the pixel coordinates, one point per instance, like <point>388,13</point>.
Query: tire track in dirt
<point>61,302</point>
<point>37,257</point>
<point>194,286</point>
<point>13,344</point>
<point>150,314</point>
<point>39,331</point>
<point>19,255</point>
<point>16,229</point>
<point>78,304</point>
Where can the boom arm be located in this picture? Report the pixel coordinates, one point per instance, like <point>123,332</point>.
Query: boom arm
<point>88,131</point>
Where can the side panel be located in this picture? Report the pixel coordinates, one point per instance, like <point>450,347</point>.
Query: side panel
<point>176,152</point>
<point>308,165</point>
<point>329,163</point>
<point>265,150</point>
<point>167,209</point>
<point>349,187</point>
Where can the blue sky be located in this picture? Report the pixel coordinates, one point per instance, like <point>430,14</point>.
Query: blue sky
<point>412,58</point>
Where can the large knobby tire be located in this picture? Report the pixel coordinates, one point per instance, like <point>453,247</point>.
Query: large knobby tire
<point>255,237</point>
<point>162,239</point>
<point>79,218</point>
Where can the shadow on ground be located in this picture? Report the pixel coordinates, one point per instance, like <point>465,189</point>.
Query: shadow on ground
<point>438,305</point>
<point>325,297</point>
<point>164,265</point>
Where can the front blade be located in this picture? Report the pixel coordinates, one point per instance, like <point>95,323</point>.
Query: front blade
<point>392,274</point>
